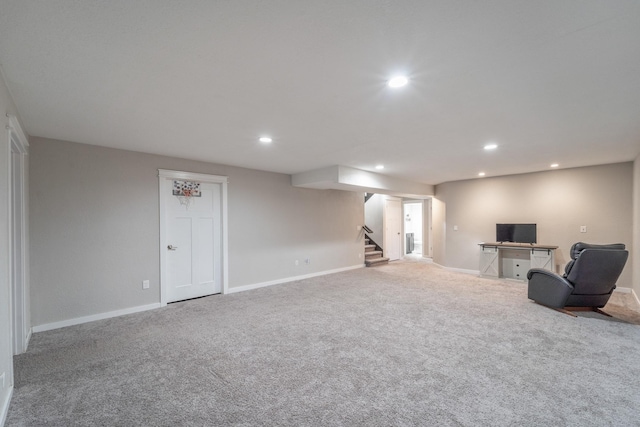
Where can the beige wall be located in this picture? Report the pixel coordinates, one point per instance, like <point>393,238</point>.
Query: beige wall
<point>558,201</point>
<point>95,228</point>
<point>438,231</point>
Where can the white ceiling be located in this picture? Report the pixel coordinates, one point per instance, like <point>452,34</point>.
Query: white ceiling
<point>548,80</point>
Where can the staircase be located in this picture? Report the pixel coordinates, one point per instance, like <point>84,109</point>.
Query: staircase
<point>372,256</point>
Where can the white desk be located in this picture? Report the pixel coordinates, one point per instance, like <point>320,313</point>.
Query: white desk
<point>513,260</point>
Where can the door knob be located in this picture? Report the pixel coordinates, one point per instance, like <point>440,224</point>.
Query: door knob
<point>172,248</point>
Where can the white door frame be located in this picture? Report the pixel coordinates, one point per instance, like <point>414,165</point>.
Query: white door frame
<point>18,150</point>
<point>164,186</point>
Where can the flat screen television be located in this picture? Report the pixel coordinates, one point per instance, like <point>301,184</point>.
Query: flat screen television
<point>517,233</point>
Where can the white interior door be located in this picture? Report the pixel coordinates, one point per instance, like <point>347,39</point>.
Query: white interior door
<point>192,241</point>
<point>393,229</point>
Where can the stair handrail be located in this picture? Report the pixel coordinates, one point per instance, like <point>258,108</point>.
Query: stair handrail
<point>367,229</point>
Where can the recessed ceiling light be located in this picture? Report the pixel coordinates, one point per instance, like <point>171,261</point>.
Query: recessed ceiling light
<point>554,165</point>
<point>491,146</point>
<point>481,174</point>
<point>379,167</point>
<point>265,139</point>
<point>398,81</point>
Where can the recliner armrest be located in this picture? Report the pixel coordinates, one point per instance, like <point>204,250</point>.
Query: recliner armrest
<point>542,271</point>
<point>548,288</point>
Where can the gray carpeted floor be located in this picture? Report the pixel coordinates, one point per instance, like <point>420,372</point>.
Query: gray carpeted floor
<point>404,344</point>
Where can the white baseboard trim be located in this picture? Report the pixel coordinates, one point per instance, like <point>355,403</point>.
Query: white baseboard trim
<point>116,313</point>
<point>290,279</point>
<point>463,270</point>
<point>94,317</point>
<point>632,292</point>
<point>458,270</point>
<point>4,405</point>
<point>26,343</point>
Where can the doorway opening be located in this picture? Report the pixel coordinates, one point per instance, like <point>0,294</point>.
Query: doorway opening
<point>413,228</point>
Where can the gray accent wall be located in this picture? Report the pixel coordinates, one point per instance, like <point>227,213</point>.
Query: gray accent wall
<point>636,226</point>
<point>558,201</point>
<point>95,228</point>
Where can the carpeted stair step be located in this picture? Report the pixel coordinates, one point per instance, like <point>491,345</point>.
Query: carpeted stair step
<point>372,262</point>
<point>369,248</point>
<point>372,254</point>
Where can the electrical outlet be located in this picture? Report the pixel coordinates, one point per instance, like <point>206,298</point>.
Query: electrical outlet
<point>359,255</point>
<point>145,284</point>
<point>583,228</point>
<point>297,262</point>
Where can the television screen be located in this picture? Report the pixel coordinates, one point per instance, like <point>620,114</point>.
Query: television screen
<point>517,233</point>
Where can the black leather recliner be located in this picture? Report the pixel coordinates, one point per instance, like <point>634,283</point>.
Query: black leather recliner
<point>588,281</point>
